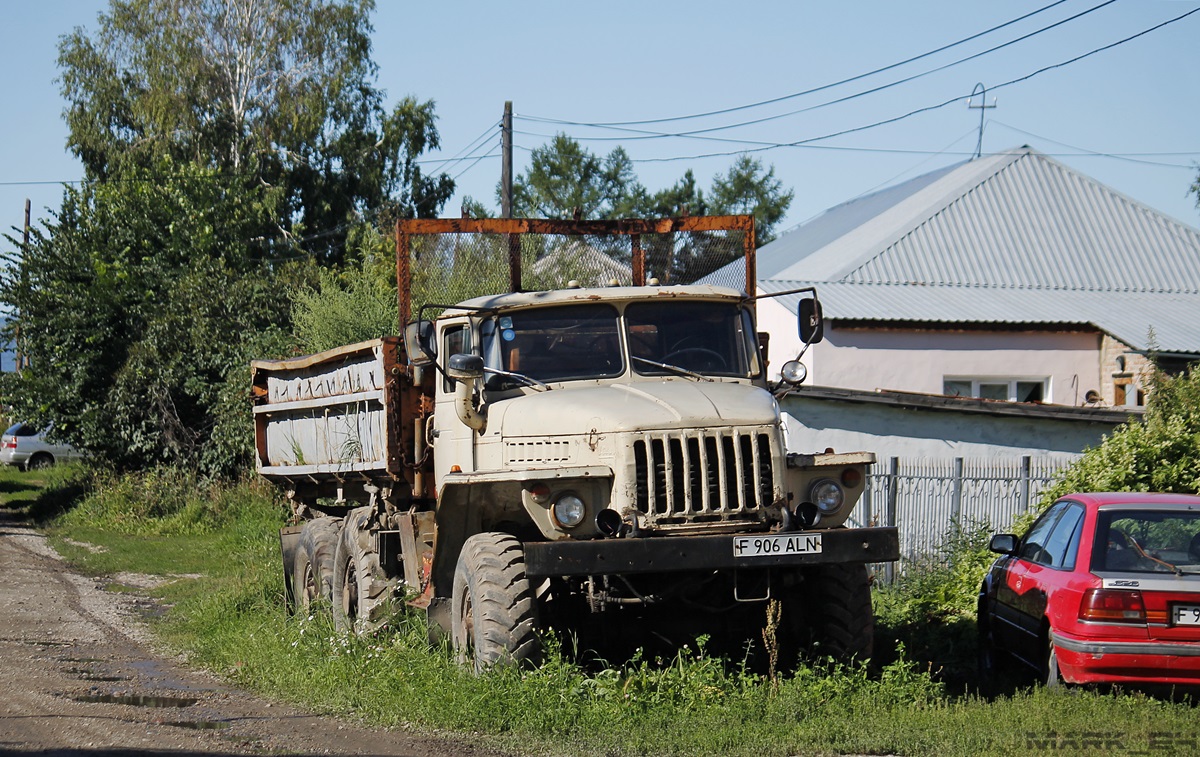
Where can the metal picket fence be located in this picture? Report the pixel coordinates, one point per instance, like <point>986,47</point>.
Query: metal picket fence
<point>925,497</point>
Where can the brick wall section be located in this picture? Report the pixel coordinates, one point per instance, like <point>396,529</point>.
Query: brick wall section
<point>1137,367</point>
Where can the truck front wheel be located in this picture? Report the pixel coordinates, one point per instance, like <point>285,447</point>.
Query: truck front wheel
<point>494,618</point>
<point>827,613</point>
<point>843,624</point>
<point>361,593</point>
<point>312,574</point>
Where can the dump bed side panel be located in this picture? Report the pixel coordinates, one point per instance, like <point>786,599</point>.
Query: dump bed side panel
<point>326,416</point>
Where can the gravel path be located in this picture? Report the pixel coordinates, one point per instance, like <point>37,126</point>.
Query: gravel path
<point>79,678</point>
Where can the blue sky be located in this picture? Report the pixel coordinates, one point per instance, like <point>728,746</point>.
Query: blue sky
<point>622,61</point>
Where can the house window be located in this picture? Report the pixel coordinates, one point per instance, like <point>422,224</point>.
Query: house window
<point>997,388</point>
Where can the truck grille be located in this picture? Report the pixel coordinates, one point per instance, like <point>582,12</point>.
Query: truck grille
<point>689,478</point>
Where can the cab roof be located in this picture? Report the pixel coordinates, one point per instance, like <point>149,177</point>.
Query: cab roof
<point>603,294</point>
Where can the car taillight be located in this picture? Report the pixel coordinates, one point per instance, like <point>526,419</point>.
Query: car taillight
<point>10,444</point>
<point>1113,606</point>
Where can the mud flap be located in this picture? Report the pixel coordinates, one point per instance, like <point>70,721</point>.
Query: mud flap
<point>438,616</point>
<point>289,540</point>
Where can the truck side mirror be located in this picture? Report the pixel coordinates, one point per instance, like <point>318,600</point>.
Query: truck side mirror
<point>812,326</point>
<point>418,342</point>
<point>466,370</point>
<point>464,367</point>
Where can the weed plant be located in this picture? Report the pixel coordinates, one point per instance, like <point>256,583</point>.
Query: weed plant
<point>930,609</point>
<point>232,620</point>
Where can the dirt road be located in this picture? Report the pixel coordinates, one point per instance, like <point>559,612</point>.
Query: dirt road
<point>77,678</point>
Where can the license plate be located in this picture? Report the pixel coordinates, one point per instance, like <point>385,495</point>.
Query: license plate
<point>1187,615</point>
<point>783,544</point>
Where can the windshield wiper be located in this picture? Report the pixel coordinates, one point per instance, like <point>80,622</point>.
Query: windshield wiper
<point>527,380</point>
<point>672,368</point>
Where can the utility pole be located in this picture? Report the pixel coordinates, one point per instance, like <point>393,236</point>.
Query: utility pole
<point>981,107</point>
<point>17,331</point>
<point>506,162</point>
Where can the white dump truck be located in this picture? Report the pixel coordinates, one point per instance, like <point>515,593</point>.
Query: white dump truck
<point>607,462</point>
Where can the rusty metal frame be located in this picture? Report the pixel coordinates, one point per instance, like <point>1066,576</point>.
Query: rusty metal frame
<point>631,227</point>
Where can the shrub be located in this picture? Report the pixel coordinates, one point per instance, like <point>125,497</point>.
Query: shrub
<point>1162,453</point>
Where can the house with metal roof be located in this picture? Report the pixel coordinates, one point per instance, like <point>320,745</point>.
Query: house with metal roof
<point>1007,277</point>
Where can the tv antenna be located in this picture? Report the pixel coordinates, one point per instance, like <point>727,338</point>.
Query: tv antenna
<point>981,107</point>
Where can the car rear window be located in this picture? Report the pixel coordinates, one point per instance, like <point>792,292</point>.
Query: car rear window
<point>21,429</point>
<point>1148,541</point>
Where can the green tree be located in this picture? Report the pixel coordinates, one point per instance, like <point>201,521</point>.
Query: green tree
<point>564,177</point>
<point>279,93</point>
<point>684,198</point>
<point>134,305</point>
<point>747,188</point>
<point>230,147</point>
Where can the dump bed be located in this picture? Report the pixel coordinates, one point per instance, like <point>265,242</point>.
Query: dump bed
<point>322,418</point>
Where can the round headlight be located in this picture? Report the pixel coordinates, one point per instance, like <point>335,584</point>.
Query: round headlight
<point>569,511</point>
<point>827,495</point>
<point>793,372</point>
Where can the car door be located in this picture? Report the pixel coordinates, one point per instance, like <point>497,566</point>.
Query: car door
<point>1050,581</point>
<point>1042,564</point>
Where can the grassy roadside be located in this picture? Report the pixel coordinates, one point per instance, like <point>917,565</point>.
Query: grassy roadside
<point>230,618</point>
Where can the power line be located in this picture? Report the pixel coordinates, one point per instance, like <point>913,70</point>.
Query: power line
<point>926,109</point>
<point>823,86</point>
<point>468,168</point>
<point>1083,152</point>
<point>472,146</point>
<point>661,135</point>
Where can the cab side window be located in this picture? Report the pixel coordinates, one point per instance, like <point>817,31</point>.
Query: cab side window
<point>456,340</point>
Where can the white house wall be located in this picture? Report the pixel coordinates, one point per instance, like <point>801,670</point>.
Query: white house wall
<point>919,361</point>
<point>780,323</point>
<point>816,424</point>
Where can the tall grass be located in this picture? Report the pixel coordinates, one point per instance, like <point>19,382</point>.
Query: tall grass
<point>231,619</point>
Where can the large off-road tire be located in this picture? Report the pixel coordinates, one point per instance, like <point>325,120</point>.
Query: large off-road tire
<point>494,613</point>
<point>312,568</point>
<point>362,594</point>
<point>839,620</point>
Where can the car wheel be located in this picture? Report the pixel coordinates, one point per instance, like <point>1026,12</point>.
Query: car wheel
<point>986,661</point>
<point>40,461</point>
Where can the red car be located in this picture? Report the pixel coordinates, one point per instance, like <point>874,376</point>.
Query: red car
<point>1105,588</point>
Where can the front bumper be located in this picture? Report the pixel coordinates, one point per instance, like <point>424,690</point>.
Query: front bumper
<point>1088,661</point>
<point>669,554</point>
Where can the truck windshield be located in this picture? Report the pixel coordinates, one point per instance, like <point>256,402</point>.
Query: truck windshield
<point>713,338</point>
<point>554,344</point>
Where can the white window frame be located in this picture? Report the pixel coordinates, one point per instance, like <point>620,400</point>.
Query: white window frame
<point>1011,381</point>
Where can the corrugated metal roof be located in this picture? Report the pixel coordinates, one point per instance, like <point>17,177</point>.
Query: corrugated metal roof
<point>1011,238</point>
<point>1166,322</point>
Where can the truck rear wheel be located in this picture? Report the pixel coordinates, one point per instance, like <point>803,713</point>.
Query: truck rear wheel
<point>312,570</point>
<point>361,593</point>
<point>494,618</point>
